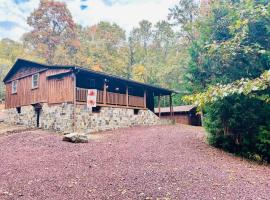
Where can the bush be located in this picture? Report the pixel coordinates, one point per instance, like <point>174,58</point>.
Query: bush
<point>241,125</point>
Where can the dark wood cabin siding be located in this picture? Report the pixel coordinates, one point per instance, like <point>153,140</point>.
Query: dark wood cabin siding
<point>178,118</point>
<point>49,91</point>
<point>25,94</point>
<point>188,118</point>
<point>60,89</point>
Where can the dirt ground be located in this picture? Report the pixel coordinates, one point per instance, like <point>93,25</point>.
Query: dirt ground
<point>159,162</point>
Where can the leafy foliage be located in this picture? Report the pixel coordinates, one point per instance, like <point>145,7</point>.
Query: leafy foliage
<point>230,78</point>
<point>239,124</point>
<point>247,87</point>
<point>184,14</point>
<point>9,52</point>
<point>232,44</point>
<point>53,28</point>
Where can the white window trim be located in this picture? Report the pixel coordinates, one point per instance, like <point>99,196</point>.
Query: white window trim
<point>12,87</point>
<point>34,87</point>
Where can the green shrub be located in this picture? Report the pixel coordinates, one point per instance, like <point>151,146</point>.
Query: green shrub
<point>263,143</point>
<point>241,125</point>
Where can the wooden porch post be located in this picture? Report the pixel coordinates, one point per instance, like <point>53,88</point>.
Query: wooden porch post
<point>171,105</point>
<point>104,93</point>
<point>127,96</point>
<point>159,114</point>
<point>74,101</point>
<point>144,98</point>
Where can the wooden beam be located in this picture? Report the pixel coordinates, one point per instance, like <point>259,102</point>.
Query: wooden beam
<point>113,106</point>
<point>144,98</point>
<point>127,96</point>
<point>171,105</point>
<point>159,114</point>
<point>104,93</point>
<point>74,102</point>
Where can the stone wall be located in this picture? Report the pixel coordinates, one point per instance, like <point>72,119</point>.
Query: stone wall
<point>109,118</point>
<point>57,117</point>
<point>60,118</point>
<point>27,116</point>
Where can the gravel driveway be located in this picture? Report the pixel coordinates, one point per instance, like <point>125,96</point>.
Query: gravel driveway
<point>160,162</point>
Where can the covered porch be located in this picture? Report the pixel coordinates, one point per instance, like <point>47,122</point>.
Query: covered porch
<point>115,91</point>
<point>105,98</point>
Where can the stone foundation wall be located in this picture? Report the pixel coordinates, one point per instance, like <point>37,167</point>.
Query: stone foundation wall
<point>27,116</point>
<point>60,118</point>
<point>56,117</point>
<point>109,118</point>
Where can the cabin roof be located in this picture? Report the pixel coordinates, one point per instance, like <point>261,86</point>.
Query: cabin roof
<point>186,108</point>
<point>77,69</point>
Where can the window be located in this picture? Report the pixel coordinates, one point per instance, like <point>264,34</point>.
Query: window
<point>14,86</point>
<point>35,80</point>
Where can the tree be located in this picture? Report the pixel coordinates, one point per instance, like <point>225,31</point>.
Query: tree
<point>131,55</point>
<point>164,38</point>
<point>52,26</point>
<point>255,88</point>
<point>231,51</point>
<point>143,34</point>
<point>232,44</point>
<point>104,44</point>
<point>9,52</point>
<point>184,15</point>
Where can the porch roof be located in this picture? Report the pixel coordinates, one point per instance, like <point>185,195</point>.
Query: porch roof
<point>84,71</point>
<point>156,89</point>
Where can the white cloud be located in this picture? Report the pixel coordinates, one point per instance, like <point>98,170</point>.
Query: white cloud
<point>10,11</point>
<point>125,13</point>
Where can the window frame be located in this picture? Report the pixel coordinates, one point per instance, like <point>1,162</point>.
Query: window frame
<point>33,86</point>
<point>12,87</point>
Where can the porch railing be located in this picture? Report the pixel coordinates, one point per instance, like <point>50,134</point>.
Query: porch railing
<point>112,98</point>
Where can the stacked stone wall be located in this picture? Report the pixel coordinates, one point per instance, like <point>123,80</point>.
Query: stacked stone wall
<point>109,118</point>
<point>27,116</point>
<point>60,118</point>
<point>57,117</point>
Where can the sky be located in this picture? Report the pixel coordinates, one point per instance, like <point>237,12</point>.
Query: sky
<point>126,13</point>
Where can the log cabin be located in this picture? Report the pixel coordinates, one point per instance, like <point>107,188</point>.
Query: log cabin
<point>55,97</point>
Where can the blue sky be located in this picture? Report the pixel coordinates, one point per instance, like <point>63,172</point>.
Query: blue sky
<point>126,13</point>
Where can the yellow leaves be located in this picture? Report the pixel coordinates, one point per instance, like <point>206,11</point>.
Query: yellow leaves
<point>139,73</point>
<point>240,23</point>
<point>5,63</point>
<point>97,67</point>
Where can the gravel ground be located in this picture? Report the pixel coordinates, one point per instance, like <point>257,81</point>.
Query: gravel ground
<point>161,162</point>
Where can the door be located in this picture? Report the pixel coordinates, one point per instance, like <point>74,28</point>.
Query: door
<point>38,108</point>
